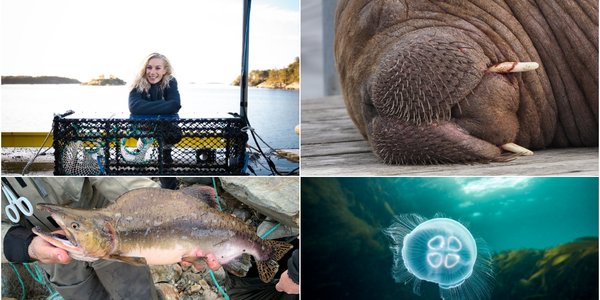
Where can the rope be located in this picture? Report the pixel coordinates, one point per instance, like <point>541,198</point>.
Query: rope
<point>38,276</point>
<point>271,164</point>
<point>270,231</point>
<point>217,193</point>
<point>212,275</point>
<point>20,280</point>
<point>99,160</point>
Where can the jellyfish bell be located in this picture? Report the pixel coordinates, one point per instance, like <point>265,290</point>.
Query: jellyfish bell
<point>442,251</point>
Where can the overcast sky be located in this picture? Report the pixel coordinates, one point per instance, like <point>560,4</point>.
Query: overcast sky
<point>83,39</point>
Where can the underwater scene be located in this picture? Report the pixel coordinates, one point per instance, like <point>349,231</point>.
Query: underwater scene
<point>450,238</point>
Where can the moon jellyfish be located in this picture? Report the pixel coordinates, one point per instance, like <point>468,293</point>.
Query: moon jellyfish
<point>442,251</point>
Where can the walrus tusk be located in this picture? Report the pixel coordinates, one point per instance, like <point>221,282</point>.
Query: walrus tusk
<point>513,66</point>
<point>514,148</point>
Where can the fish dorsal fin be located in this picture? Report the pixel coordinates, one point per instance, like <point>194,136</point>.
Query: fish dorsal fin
<point>134,261</point>
<point>267,270</point>
<point>279,248</point>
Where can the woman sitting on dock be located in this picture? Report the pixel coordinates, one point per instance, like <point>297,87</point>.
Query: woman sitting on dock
<point>154,95</point>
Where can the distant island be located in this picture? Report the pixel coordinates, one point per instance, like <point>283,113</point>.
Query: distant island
<point>286,78</point>
<point>38,80</point>
<point>101,80</point>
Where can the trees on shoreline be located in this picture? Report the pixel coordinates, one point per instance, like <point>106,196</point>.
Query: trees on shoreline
<point>274,78</point>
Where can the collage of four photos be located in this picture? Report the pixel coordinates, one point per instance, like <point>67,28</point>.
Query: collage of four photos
<point>288,149</point>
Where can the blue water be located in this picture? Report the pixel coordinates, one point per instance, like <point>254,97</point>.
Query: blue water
<point>347,254</point>
<point>272,113</point>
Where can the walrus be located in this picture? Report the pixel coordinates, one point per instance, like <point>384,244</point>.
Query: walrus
<point>460,81</point>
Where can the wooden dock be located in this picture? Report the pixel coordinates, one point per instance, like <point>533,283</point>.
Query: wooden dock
<point>332,146</point>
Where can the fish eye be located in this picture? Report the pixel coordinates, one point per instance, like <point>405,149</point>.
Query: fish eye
<point>75,225</point>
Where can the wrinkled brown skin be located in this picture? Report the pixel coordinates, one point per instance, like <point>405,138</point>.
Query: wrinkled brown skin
<point>414,77</point>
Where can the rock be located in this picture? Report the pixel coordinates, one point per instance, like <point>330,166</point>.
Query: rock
<point>192,297</point>
<point>200,290</point>
<point>238,267</point>
<point>220,275</point>
<point>241,214</point>
<point>194,288</point>
<point>166,273</point>
<point>274,197</point>
<point>209,293</point>
<point>189,278</point>
<point>281,231</point>
<point>169,292</point>
<point>293,86</point>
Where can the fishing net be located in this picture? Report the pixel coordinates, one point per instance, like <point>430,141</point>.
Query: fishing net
<point>152,147</point>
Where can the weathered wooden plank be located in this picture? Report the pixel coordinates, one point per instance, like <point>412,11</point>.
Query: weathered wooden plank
<point>325,121</point>
<point>348,147</point>
<point>557,162</point>
<point>328,132</point>
<point>332,146</point>
<point>327,114</point>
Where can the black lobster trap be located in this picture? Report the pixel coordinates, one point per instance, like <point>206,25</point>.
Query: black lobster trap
<point>149,147</point>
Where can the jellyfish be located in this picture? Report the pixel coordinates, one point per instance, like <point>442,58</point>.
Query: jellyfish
<point>442,251</point>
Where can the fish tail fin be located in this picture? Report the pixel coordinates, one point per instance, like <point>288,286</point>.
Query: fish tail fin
<point>267,270</point>
<point>279,249</point>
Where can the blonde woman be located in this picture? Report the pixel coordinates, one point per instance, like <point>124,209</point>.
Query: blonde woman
<point>154,95</point>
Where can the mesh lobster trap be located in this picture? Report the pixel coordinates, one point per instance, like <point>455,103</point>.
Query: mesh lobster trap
<point>149,147</point>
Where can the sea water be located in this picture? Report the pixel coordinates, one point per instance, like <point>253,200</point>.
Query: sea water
<point>348,255</point>
<point>272,113</point>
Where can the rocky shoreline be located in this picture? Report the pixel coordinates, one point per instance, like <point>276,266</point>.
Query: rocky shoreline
<point>292,86</point>
<point>101,81</point>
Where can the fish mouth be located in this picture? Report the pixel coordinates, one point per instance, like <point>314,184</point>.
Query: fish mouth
<point>58,239</point>
<point>63,239</point>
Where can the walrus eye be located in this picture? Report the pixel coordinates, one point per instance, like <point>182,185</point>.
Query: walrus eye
<point>75,225</point>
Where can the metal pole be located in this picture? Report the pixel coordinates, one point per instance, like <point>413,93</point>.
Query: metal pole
<point>244,75</point>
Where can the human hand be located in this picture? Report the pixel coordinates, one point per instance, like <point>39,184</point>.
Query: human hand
<point>287,285</point>
<point>46,253</point>
<point>200,261</point>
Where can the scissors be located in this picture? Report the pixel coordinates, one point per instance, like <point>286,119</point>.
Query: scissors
<point>16,205</point>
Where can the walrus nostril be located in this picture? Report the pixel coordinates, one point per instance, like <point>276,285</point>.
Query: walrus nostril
<point>414,86</point>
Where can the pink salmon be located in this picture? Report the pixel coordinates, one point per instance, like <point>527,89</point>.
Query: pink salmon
<point>157,227</point>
